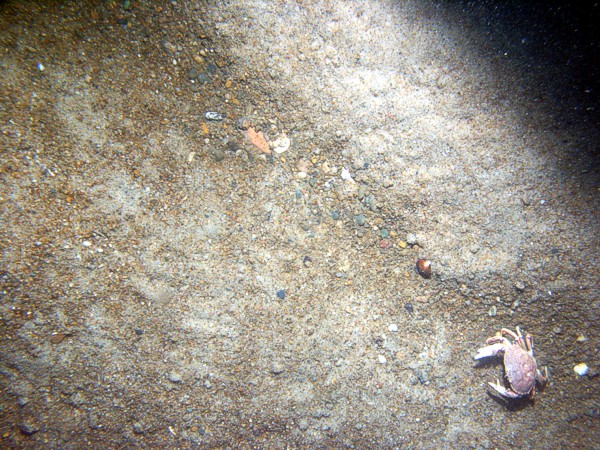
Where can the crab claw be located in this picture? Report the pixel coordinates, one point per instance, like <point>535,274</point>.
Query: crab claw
<point>490,350</point>
<point>503,391</point>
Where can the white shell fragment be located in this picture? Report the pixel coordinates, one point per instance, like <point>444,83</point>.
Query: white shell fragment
<point>281,145</point>
<point>346,175</point>
<point>581,369</point>
<point>211,115</point>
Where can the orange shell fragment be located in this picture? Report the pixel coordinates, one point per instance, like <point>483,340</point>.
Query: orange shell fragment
<point>258,140</point>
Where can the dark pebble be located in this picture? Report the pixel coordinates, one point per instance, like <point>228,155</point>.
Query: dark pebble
<point>409,307</point>
<point>281,294</point>
<point>193,73</point>
<point>335,215</point>
<point>138,331</point>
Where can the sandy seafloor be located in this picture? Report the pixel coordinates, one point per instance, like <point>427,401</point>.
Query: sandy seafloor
<point>166,283</point>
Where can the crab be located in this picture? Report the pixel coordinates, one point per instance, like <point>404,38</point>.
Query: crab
<point>520,366</point>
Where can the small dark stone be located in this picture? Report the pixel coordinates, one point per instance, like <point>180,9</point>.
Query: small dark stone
<point>335,215</point>
<point>138,331</point>
<point>281,294</point>
<point>409,307</point>
<point>193,73</point>
<point>122,21</point>
<point>306,261</point>
<point>211,69</point>
<point>233,146</point>
<point>28,427</point>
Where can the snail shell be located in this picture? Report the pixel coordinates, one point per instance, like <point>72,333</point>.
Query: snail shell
<point>424,268</point>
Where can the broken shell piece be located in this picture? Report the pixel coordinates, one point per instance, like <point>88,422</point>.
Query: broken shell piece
<point>581,369</point>
<point>424,268</point>
<point>346,175</point>
<point>258,140</point>
<point>281,145</point>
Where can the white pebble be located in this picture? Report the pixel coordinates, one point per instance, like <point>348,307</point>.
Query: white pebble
<point>393,328</point>
<point>87,243</point>
<point>41,67</point>
<point>581,369</point>
<point>382,359</point>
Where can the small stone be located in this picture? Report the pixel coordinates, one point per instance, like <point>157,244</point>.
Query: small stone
<point>281,294</point>
<point>307,261</point>
<point>193,73</point>
<point>382,359</point>
<point>217,154</point>
<point>581,339</point>
<point>493,311</point>
<point>29,427</point>
<point>175,377</point>
<point>409,307</point>
<point>243,123</point>
<point>360,219</point>
<point>385,234</point>
<point>411,239</point>
<point>277,368</point>
<point>138,331</point>
<point>402,244</point>
<point>526,201</point>
<point>303,424</point>
<point>335,215</point>
<point>520,286</point>
<point>393,328</point>
<point>581,369</point>
<point>385,243</point>
<point>138,427</point>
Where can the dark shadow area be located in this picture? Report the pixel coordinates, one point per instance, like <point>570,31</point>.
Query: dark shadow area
<point>553,47</point>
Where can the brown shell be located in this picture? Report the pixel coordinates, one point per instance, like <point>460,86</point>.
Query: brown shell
<point>520,368</point>
<point>424,268</point>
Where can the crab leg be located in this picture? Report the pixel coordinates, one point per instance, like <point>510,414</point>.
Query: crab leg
<point>508,393</point>
<point>512,333</point>
<point>490,350</point>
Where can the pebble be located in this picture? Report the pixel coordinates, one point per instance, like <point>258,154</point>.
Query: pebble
<point>243,123</point>
<point>360,219</point>
<point>175,377</point>
<point>193,73</point>
<point>385,243</point>
<point>581,338</point>
<point>29,427</point>
<point>138,427</point>
<point>411,239</point>
<point>393,328</point>
<point>409,307</point>
<point>581,369</point>
<point>303,424</point>
<point>493,311</point>
<point>385,234</point>
<point>520,286</point>
<point>281,294</point>
<point>277,368</point>
<point>382,359</point>
<point>335,215</point>
<point>217,154</point>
